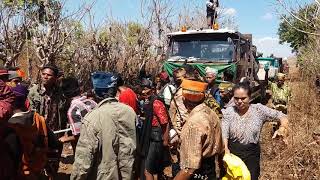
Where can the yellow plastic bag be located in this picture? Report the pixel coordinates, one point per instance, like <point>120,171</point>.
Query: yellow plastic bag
<point>236,169</point>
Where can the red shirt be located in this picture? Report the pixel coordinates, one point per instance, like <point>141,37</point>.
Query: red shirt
<point>160,112</point>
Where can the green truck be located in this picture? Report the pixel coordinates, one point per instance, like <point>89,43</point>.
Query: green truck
<point>228,51</point>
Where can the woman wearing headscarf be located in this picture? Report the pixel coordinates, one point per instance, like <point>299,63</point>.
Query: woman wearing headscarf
<point>242,124</point>
<point>154,136</point>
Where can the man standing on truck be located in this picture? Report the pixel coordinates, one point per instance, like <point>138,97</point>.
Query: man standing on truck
<point>212,14</point>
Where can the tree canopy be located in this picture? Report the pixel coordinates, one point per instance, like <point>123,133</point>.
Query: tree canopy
<point>297,27</point>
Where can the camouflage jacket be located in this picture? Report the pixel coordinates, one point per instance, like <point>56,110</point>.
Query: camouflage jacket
<point>212,103</point>
<point>107,143</point>
<point>49,104</point>
<point>280,95</point>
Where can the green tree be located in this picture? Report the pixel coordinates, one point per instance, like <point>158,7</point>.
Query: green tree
<point>297,27</point>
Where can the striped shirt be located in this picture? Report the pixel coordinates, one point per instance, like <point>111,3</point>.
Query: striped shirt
<point>247,128</point>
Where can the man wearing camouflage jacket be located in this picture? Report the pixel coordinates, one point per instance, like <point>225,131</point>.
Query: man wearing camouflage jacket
<point>107,142</point>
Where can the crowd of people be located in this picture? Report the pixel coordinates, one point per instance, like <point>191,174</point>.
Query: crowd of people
<point>184,123</point>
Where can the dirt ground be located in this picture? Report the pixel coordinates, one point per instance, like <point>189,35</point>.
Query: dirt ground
<point>300,159</point>
<point>67,158</point>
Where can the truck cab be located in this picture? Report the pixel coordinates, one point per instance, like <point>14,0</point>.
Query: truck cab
<point>228,51</point>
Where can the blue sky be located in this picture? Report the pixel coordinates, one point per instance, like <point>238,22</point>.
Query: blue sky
<point>258,17</point>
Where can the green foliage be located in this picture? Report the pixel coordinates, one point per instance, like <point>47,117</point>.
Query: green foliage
<point>289,27</point>
<point>78,29</point>
<point>104,36</point>
<point>20,3</point>
<point>134,32</point>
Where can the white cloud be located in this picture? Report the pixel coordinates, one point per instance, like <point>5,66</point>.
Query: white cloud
<point>267,16</point>
<point>229,12</point>
<point>270,45</point>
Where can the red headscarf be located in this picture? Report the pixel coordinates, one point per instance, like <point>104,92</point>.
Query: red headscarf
<point>164,76</point>
<point>129,98</point>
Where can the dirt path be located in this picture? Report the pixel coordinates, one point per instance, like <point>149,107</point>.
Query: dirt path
<point>301,158</point>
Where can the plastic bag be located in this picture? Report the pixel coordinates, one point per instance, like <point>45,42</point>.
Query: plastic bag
<point>236,168</point>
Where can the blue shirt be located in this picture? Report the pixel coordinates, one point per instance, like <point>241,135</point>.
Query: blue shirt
<point>216,94</point>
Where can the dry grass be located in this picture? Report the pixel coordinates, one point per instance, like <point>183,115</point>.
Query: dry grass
<point>301,158</point>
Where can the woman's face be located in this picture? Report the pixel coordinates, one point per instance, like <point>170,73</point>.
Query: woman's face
<point>241,98</point>
<point>146,94</point>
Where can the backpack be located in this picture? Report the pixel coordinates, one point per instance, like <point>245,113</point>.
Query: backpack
<point>34,141</point>
<point>77,111</point>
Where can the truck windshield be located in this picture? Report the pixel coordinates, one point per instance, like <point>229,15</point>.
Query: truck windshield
<point>203,50</point>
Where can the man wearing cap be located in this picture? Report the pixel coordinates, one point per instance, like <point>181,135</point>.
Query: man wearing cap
<point>107,142</point>
<point>213,89</point>
<point>281,93</point>
<point>201,139</point>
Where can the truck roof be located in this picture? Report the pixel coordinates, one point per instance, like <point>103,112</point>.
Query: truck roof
<point>265,59</point>
<point>202,31</point>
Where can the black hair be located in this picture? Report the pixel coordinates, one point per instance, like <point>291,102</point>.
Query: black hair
<point>228,75</point>
<point>4,77</point>
<point>120,81</point>
<point>111,92</point>
<point>70,87</point>
<point>243,85</point>
<point>53,67</point>
<point>19,102</point>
